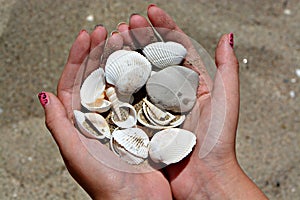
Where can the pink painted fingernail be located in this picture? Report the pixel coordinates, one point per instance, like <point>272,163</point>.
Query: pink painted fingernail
<point>44,99</point>
<point>151,5</point>
<point>231,39</point>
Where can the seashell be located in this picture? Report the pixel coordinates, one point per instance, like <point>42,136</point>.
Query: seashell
<point>124,115</point>
<point>128,71</point>
<point>144,120</point>
<point>173,88</point>
<point>92,125</point>
<point>92,92</point>
<point>171,145</point>
<point>123,154</point>
<point>164,54</point>
<point>133,140</point>
<point>156,115</point>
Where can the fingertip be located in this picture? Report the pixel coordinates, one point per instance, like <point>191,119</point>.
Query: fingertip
<point>80,48</point>
<point>98,36</point>
<point>225,56</point>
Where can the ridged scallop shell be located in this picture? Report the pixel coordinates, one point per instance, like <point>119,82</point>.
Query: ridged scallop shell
<point>124,114</point>
<point>92,125</point>
<point>163,54</point>
<point>128,71</point>
<point>133,140</point>
<point>171,145</point>
<point>92,92</point>
<point>123,154</point>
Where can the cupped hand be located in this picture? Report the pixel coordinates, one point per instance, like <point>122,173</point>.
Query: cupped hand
<point>99,180</point>
<point>212,170</point>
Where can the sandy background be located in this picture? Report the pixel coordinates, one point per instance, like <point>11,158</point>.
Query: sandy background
<point>35,37</point>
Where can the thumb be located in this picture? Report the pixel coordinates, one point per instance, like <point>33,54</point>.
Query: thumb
<point>225,99</point>
<point>58,123</point>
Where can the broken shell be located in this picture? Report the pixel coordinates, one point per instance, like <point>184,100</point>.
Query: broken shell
<point>144,120</point>
<point>171,145</point>
<point>124,114</point>
<point>163,54</point>
<point>92,125</point>
<point>92,92</point>
<point>133,140</point>
<point>128,71</point>
<point>123,154</point>
<point>155,114</point>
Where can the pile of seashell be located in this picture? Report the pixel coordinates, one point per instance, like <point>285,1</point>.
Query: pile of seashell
<point>138,97</point>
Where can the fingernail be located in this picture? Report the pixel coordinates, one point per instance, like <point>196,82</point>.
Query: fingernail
<point>133,14</point>
<point>98,25</point>
<point>231,39</point>
<point>151,5</point>
<point>114,32</point>
<point>121,23</point>
<point>44,99</point>
<point>82,31</point>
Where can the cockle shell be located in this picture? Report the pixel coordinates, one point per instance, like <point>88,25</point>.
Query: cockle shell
<point>133,140</point>
<point>92,92</point>
<point>92,125</point>
<point>164,54</point>
<point>128,71</point>
<point>173,88</point>
<point>171,145</point>
<point>124,114</point>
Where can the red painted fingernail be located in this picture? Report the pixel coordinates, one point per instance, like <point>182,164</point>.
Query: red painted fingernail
<point>44,99</point>
<point>151,5</point>
<point>82,31</point>
<point>98,25</point>
<point>133,14</point>
<point>231,39</point>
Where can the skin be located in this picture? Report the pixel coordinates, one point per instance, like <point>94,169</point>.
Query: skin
<point>216,175</point>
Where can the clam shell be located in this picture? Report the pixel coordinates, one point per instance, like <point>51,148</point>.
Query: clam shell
<point>171,145</point>
<point>92,125</point>
<point>123,154</point>
<point>173,88</point>
<point>92,92</point>
<point>133,140</point>
<point>163,54</point>
<point>128,71</point>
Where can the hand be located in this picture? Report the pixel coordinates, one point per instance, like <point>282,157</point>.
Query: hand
<point>99,180</point>
<point>212,170</point>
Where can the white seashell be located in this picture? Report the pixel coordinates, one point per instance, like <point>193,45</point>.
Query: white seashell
<point>143,119</point>
<point>123,154</point>
<point>171,145</point>
<point>92,125</point>
<point>157,115</point>
<point>112,96</point>
<point>163,54</point>
<point>128,71</point>
<point>133,140</point>
<point>124,115</point>
<point>92,92</point>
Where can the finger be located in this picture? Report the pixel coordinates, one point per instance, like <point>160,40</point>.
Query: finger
<point>78,53</point>
<point>169,31</point>
<point>141,30</point>
<point>58,123</point>
<point>225,99</point>
<point>123,28</point>
<point>98,37</point>
<point>114,43</point>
